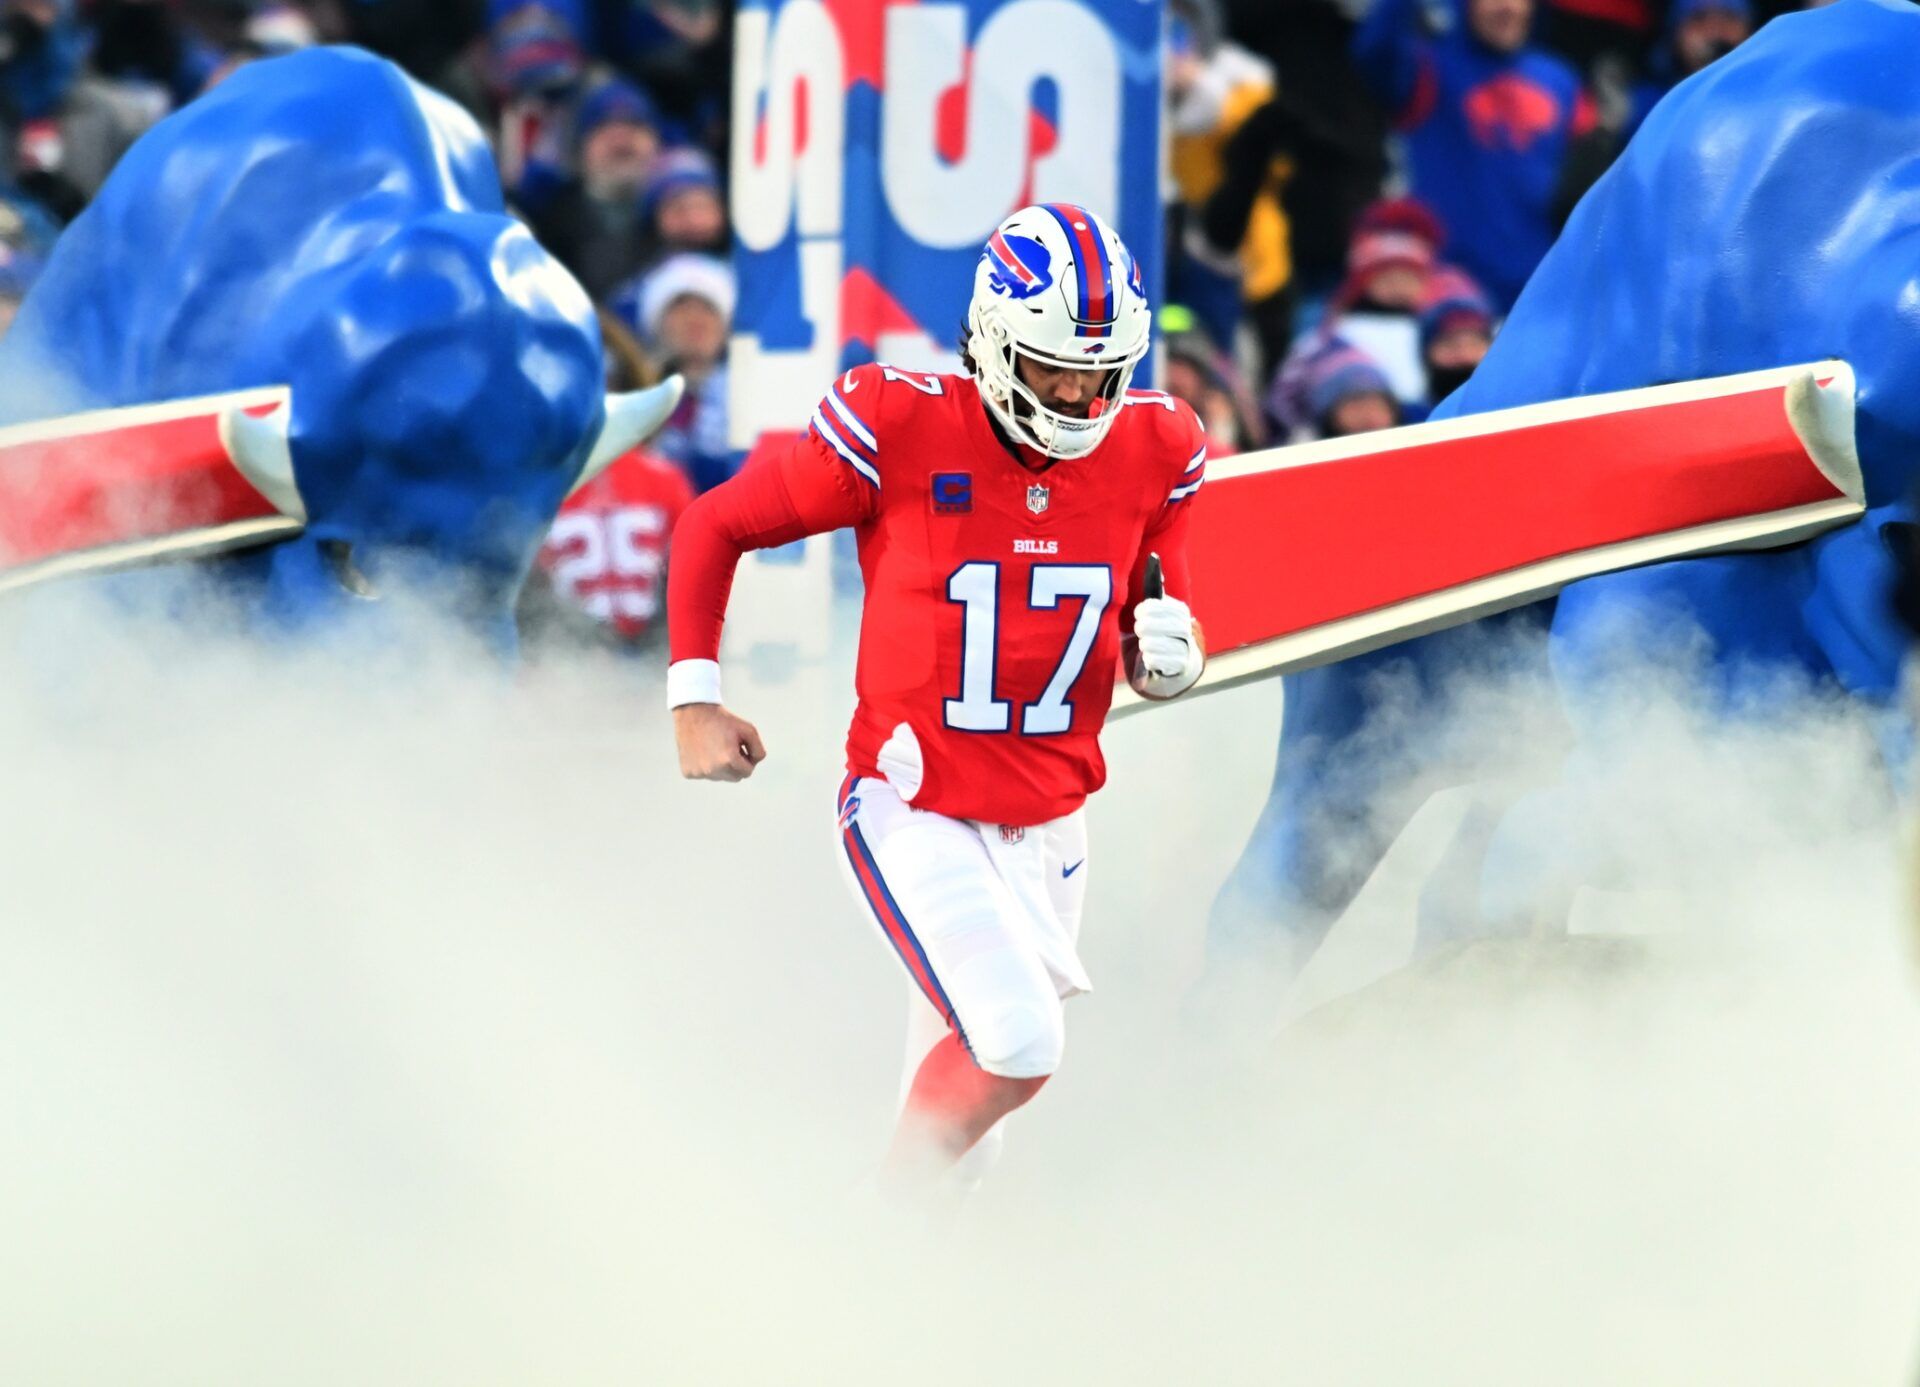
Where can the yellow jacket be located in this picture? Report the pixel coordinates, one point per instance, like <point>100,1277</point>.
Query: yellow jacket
<point>1236,85</point>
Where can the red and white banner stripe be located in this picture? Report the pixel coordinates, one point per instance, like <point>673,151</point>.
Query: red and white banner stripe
<point>119,487</point>
<point>1306,555</point>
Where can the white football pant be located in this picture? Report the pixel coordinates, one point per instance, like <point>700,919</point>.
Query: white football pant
<point>986,921</point>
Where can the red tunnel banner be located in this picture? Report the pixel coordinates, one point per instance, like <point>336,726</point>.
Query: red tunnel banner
<point>1300,555</point>
<point>90,492</point>
<point>1309,554</point>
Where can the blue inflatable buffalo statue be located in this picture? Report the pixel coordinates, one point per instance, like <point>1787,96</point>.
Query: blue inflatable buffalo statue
<point>1768,212</point>
<point>322,222</point>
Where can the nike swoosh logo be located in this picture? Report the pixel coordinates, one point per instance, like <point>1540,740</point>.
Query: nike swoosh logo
<point>849,385</point>
<point>1066,872</point>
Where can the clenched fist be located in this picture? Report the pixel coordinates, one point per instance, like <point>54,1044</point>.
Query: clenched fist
<point>714,744</point>
<point>1168,656</point>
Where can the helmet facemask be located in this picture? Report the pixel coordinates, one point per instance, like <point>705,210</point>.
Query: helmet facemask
<point>1019,409</point>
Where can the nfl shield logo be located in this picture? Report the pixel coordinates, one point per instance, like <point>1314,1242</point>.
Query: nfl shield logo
<point>1010,836</point>
<point>1036,498</point>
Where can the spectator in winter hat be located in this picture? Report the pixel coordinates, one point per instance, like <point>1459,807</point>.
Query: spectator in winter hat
<point>683,311</point>
<point>1456,329</point>
<point>1490,122</point>
<point>594,222</point>
<point>684,204</point>
<point>618,133</point>
<point>533,49</point>
<point>1391,259</point>
<point>1331,389</point>
<point>535,61</point>
<point>1395,245</point>
<point>1699,32</point>
<point>1193,374</point>
<point>1197,372</point>
<point>1705,31</point>
<point>1347,393</point>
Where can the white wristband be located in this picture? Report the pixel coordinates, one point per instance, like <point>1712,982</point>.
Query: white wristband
<point>693,681</point>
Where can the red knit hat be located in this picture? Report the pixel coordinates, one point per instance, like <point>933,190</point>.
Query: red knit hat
<point>1405,214</point>
<point>1373,251</point>
<point>1395,231</point>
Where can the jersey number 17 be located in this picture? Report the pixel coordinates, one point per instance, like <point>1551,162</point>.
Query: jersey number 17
<point>976,587</point>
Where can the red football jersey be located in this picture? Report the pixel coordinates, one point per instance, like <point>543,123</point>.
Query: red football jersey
<point>608,545</point>
<point>996,592</point>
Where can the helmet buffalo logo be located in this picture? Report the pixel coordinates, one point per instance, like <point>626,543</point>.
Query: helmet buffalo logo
<point>1021,265</point>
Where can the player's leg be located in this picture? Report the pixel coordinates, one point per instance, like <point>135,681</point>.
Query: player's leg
<point>926,1028</point>
<point>929,885</point>
<point>953,1106</point>
<point>1045,872</point>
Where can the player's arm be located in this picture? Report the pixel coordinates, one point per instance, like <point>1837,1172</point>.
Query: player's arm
<point>805,489</point>
<point>1161,643</point>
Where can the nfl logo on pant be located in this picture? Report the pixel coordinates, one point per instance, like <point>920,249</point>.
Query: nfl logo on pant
<point>1008,835</point>
<point>1036,498</point>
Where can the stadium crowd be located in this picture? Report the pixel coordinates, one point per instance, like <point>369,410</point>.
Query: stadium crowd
<point>1359,190</point>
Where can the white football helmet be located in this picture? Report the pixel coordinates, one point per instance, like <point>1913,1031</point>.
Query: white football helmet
<point>1055,284</point>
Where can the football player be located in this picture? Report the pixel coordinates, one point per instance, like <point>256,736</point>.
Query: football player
<point>1022,534</point>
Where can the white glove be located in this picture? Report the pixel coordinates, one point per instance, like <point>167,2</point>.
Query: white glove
<point>1170,658</point>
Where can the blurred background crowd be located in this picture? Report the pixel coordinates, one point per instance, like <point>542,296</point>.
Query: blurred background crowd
<point>1358,190</point>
